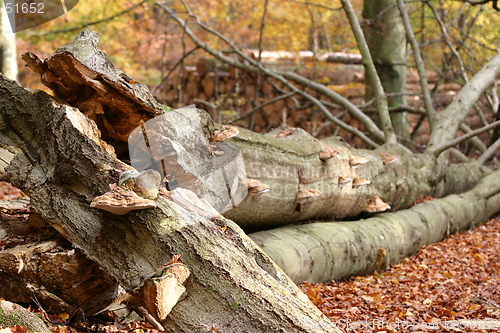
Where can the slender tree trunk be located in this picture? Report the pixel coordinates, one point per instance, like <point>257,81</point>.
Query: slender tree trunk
<point>386,39</point>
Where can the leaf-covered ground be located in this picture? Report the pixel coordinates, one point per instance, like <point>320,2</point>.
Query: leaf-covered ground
<point>434,290</point>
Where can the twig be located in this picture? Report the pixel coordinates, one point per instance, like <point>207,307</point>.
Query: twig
<point>259,60</point>
<point>180,61</point>
<point>280,76</point>
<point>488,153</point>
<point>85,25</point>
<point>316,4</point>
<point>438,150</point>
<point>141,311</point>
<point>431,112</point>
<point>444,32</point>
<point>260,106</point>
<point>374,79</point>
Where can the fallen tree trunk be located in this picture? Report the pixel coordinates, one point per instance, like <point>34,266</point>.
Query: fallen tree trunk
<point>286,160</point>
<point>58,161</point>
<point>325,251</point>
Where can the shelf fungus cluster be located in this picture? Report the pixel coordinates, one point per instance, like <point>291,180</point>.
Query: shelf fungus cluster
<point>256,188</point>
<point>304,196</point>
<point>387,158</point>
<point>376,205</point>
<point>225,133</point>
<point>135,190</point>
<point>328,153</point>
<point>356,161</point>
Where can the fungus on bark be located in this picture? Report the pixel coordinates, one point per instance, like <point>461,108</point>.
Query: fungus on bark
<point>376,204</point>
<point>357,182</point>
<point>121,202</point>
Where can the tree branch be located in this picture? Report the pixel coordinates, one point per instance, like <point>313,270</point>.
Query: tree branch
<point>489,152</point>
<point>438,150</point>
<point>419,62</point>
<point>450,118</point>
<point>89,24</point>
<point>381,98</point>
<point>282,77</point>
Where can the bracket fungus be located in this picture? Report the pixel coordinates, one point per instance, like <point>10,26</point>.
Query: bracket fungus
<point>344,180</point>
<point>305,195</point>
<point>135,190</point>
<point>356,161</point>
<point>376,204</point>
<point>256,188</point>
<point>357,182</point>
<point>388,159</point>
<point>328,153</point>
<point>121,202</point>
<point>285,132</point>
<point>226,133</point>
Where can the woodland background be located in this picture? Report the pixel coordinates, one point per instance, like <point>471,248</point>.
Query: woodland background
<point>145,43</point>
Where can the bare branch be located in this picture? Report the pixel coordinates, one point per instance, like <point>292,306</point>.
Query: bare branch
<point>381,98</point>
<point>180,61</point>
<point>260,106</point>
<point>419,63</point>
<point>438,150</point>
<point>282,77</point>
<point>488,153</point>
<point>444,32</point>
<point>316,4</point>
<point>475,141</point>
<point>450,118</point>
<point>494,3</point>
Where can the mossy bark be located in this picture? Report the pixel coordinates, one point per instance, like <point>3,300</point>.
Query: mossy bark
<point>12,315</point>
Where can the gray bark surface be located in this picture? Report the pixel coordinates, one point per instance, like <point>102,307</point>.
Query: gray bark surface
<point>325,251</point>
<point>61,166</point>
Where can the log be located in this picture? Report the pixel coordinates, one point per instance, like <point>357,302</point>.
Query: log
<point>334,57</point>
<point>329,251</point>
<point>61,165</point>
<point>288,163</point>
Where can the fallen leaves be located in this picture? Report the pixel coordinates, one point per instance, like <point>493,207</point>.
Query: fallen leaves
<point>433,288</point>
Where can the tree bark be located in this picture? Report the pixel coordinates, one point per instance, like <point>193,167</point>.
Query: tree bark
<point>58,162</point>
<point>386,39</point>
<point>325,251</point>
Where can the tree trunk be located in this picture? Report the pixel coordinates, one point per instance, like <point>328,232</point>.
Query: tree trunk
<point>386,39</point>
<point>325,251</point>
<point>58,162</point>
